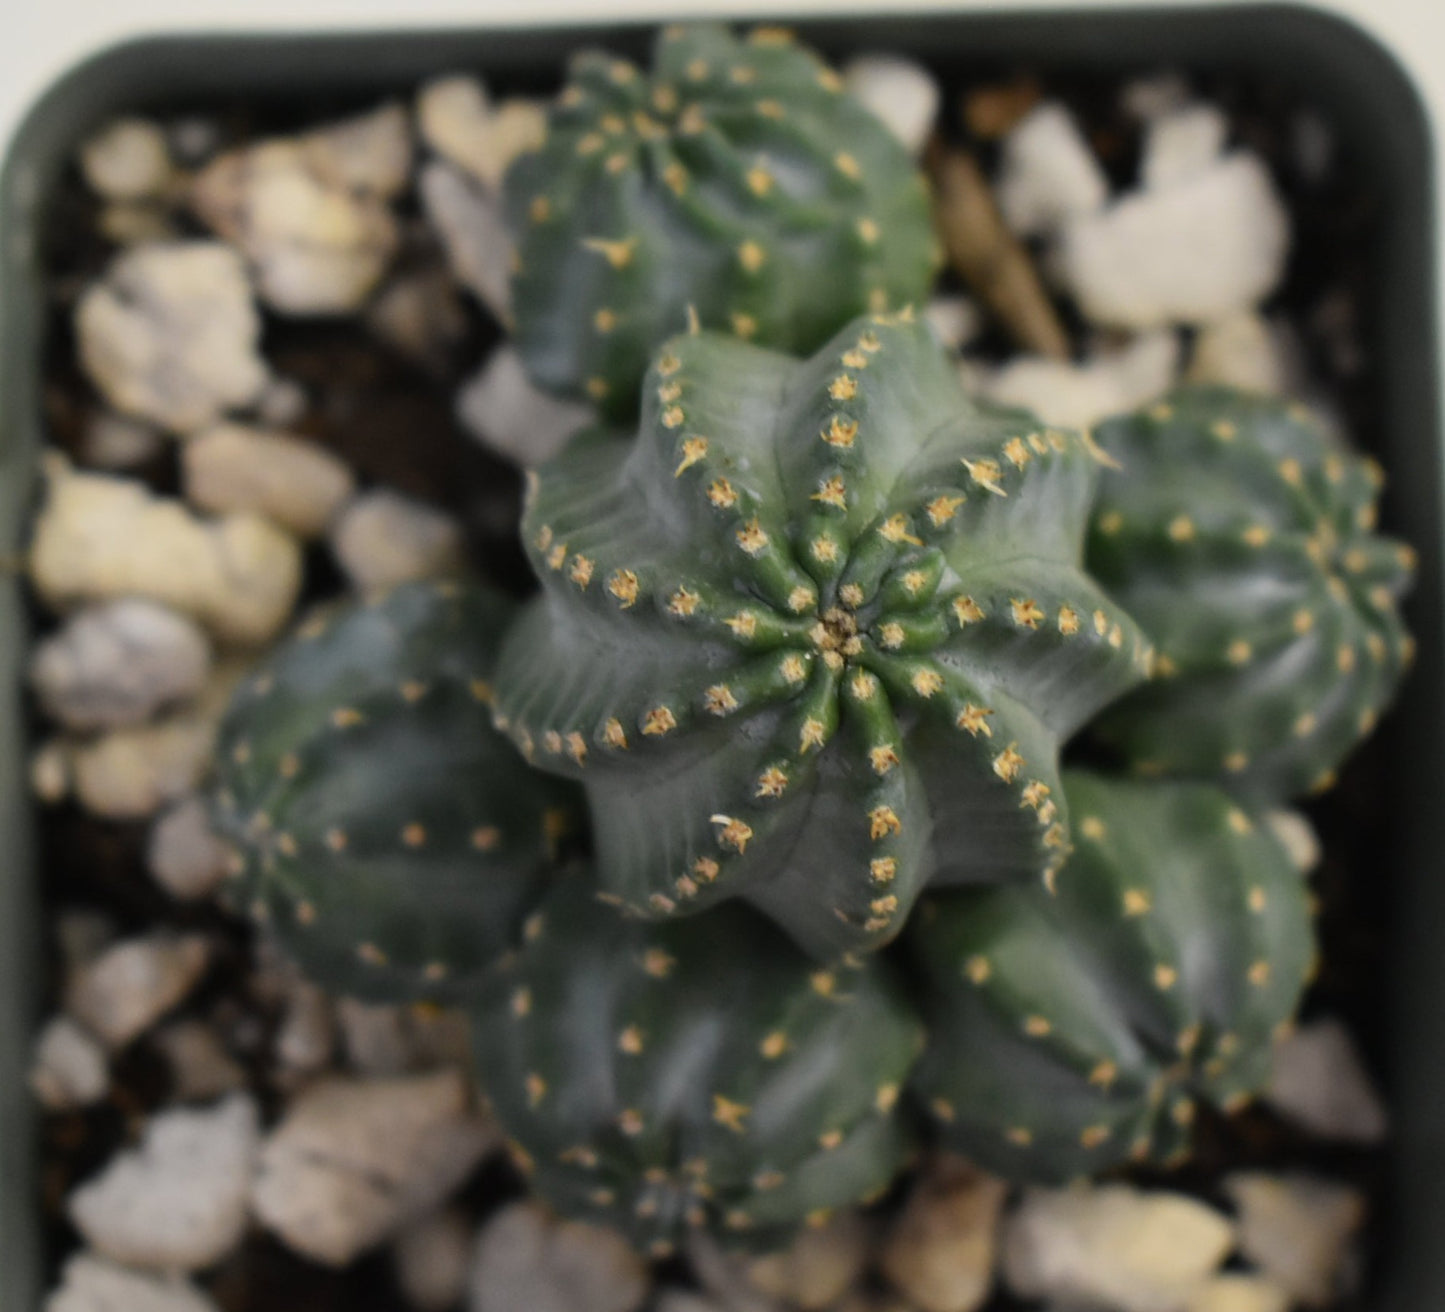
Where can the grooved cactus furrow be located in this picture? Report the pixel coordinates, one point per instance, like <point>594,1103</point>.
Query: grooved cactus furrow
<point>1242,541</point>
<point>816,636</point>
<point>383,829</point>
<point>698,1074</point>
<point>1075,1031</point>
<point>736,181</point>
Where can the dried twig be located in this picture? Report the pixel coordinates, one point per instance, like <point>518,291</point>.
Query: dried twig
<point>986,255</point>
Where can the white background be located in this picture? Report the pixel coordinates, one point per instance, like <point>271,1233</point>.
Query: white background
<point>40,39</point>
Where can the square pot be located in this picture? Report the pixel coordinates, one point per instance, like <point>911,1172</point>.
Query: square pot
<point>1380,121</point>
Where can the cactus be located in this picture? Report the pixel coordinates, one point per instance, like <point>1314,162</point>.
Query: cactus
<point>1069,1033</point>
<point>1242,541</point>
<point>694,1074</point>
<point>737,181</point>
<point>384,830</point>
<point>815,638</point>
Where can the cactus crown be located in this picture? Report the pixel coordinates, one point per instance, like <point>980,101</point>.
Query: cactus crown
<point>694,1074</point>
<point>737,181</point>
<point>1242,541</point>
<point>816,636</point>
<point>381,826</point>
<point>1071,1032</point>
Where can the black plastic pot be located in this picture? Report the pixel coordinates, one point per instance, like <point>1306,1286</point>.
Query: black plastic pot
<point>1305,54</point>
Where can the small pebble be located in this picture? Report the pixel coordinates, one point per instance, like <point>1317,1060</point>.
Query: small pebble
<point>1298,838</point>
<point>353,1160</point>
<point>1113,1246</point>
<point>231,469</point>
<point>81,936</point>
<point>864,1300</point>
<point>100,537</point>
<point>420,315</point>
<point>903,93</point>
<point>125,223</point>
<point>725,1278</point>
<point>118,442</point>
<point>1300,1231</point>
<point>940,1252</point>
<point>201,1068</point>
<point>506,413</point>
<point>130,774</point>
<point>1239,1293</point>
<point>310,213</point>
<point>193,139</point>
<point>93,1284</point>
<point>171,335</point>
<point>306,1038</point>
<point>118,663</point>
<point>528,1261</point>
<point>1182,144</point>
<point>1047,173</point>
<point>1191,253</point>
<point>1243,350</point>
<point>433,1256</point>
<point>68,1068</point>
<point>127,160</point>
<point>178,1201</point>
<point>818,1267</point>
<point>126,988</point>
<point>1080,395</point>
<point>473,233</point>
<point>1154,96</point>
<point>395,1040</point>
<point>370,154</point>
<point>383,539</point>
<point>992,110</point>
<point>50,775</point>
<point>955,320</point>
<point>184,855</point>
<point>375,1038</point>
<point>683,1300</point>
<point>458,121</point>
<point>283,402</point>
<point>1320,1082</point>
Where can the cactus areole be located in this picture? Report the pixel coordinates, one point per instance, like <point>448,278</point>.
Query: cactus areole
<point>1242,540</point>
<point>1069,1033</point>
<point>382,829</point>
<point>737,181</point>
<point>698,1074</point>
<point>815,637</point>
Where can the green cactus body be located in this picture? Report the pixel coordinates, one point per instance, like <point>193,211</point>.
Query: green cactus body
<point>383,829</point>
<point>815,637</point>
<point>696,1074</point>
<point>738,182</point>
<point>1072,1032</point>
<point>1242,542</point>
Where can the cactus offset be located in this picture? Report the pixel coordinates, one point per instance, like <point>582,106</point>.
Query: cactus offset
<point>814,639</point>
<point>383,829</point>
<point>1072,1032</point>
<point>737,181</point>
<point>698,1074</point>
<point>1241,540</point>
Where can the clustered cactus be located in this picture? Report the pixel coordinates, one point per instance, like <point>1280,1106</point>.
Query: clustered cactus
<point>736,181</point>
<point>1076,1028</point>
<point>1242,539</point>
<point>812,642</point>
<point>815,636</point>
<point>381,827</point>
<point>701,1073</point>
